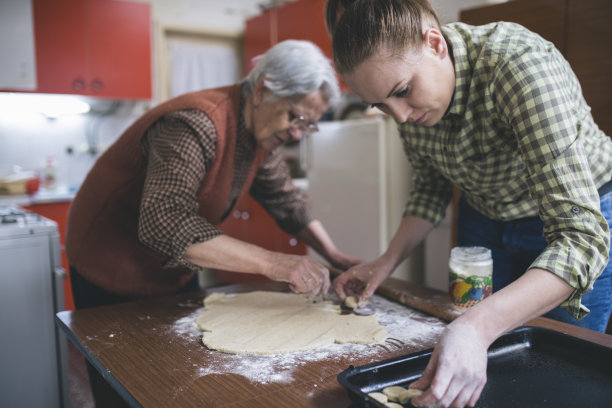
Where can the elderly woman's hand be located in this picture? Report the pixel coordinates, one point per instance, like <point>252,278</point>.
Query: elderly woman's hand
<point>303,273</point>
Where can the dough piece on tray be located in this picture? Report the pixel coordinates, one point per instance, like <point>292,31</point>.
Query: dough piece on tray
<point>378,396</point>
<point>399,394</point>
<point>408,394</point>
<point>393,392</point>
<point>263,322</point>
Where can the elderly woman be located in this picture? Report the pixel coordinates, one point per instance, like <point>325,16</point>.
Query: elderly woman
<point>146,216</point>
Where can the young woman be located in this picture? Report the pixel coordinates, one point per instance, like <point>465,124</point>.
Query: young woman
<point>497,111</point>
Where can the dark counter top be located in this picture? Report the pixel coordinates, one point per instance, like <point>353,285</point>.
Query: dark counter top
<point>152,354</point>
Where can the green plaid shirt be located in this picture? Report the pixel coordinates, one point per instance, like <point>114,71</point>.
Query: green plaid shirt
<point>518,140</point>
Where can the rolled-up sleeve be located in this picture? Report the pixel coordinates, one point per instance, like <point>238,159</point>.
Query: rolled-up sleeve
<point>532,94</point>
<point>179,148</point>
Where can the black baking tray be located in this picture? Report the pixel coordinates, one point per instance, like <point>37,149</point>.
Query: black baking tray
<point>528,367</point>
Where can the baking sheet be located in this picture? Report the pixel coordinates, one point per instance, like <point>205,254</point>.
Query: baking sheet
<point>529,367</point>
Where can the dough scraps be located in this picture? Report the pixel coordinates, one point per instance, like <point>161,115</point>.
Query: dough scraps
<point>262,322</point>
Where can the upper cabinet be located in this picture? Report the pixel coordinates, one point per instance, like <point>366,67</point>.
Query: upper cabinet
<point>299,20</point>
<point>258,36</point>
<point>17,67</point>
<point>93,47</point>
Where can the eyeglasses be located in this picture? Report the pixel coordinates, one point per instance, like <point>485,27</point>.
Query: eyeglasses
<point>299,122</point>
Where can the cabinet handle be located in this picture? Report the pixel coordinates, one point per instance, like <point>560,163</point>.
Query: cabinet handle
<point>293,242</point>
<point>78,84</point>
<point>97,84</point>
<point>236,214</point>
<point>245,215</point>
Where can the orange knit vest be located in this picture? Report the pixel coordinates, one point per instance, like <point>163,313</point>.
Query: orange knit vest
<point>101,238</point>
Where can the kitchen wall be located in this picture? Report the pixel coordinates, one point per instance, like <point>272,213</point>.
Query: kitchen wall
<point>28,140</point>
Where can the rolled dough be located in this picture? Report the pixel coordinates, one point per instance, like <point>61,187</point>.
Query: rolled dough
<point>263,322</point>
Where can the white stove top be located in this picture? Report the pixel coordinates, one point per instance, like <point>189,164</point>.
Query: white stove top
<point>15,221</point>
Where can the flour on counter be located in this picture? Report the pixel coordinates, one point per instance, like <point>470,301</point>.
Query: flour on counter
<point>404,326</point>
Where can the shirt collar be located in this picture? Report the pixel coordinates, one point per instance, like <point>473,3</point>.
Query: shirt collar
<point>459,54</point>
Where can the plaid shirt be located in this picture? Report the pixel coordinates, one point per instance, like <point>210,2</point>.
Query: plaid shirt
<point>518,140</point>
<point>179,148</point>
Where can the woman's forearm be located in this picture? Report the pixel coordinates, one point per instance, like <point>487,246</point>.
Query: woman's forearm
<point>533,294</point>
<point>225,252</point>
<point>410,233</point>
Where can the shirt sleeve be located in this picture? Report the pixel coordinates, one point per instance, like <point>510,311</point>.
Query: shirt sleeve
<point>274,190</point>
<point>431,192</point>
<point>179,149</point>
<point>533,92</point>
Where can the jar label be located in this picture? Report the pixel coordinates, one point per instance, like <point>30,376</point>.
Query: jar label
<point>466,291</point>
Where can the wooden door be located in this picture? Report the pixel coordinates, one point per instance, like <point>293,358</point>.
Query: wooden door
<point>545,17</point>
<point>589,51</point>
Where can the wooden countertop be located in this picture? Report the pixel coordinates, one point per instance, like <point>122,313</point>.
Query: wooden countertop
<point>147,351</point>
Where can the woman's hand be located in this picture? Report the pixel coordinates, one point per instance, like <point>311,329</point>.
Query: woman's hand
<point>361,281</point>
<point>457,370</point>
<point>303,273</point>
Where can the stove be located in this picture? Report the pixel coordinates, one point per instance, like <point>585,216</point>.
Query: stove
<point>15,221</point>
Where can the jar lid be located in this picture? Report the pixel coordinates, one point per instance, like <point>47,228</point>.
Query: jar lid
<point>471,254</point>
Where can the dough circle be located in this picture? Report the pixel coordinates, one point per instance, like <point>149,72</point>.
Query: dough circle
<point>351,302</point>
<point>263,322</point>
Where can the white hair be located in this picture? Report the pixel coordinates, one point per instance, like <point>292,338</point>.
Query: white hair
<point>292,69</point>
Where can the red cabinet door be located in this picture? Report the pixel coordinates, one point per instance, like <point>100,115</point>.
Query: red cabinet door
<point>119,58</point>
<point>61,46</point>
<point>259,37</point>
<point>93,47</point>
<point>304,20</point>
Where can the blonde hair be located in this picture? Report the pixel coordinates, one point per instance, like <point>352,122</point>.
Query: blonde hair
<point>360,28</point>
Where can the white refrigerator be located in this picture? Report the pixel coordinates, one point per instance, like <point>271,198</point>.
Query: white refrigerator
<point>358,181</point>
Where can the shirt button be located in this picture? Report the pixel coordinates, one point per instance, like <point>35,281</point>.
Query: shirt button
<point>576,210</point>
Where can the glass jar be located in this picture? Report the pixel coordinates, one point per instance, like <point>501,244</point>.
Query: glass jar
<point>470,276</point>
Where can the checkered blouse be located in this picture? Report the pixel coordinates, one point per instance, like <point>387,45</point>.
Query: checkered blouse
<point>518,140</point>
<point>179,149</point>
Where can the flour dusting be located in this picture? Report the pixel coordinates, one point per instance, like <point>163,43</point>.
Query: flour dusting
<point>404,326</point>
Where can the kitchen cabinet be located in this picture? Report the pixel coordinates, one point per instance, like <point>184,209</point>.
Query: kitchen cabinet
<point>93,47</point>
<point>17,66</point>
<point>251,223</point>
<point>298,20</point>
<point>304,20</point>
<point>258,36</point>
<point>58,212</point>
